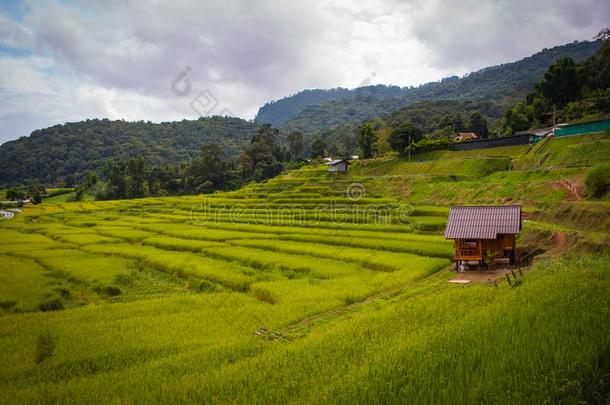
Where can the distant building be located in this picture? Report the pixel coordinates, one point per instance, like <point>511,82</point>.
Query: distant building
<point>338,166</point>
<point>465,136</point>
<point>514,140</point>
<point>537,133</point>
<point>479,231</point>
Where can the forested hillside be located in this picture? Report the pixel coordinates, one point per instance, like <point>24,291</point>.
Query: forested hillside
<point>50,154</point>
<point>502,84</point>
<point>327,116</point>
<point>428,116</point>
<point>275,112</point>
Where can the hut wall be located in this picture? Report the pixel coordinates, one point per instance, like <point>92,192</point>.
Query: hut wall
<point>339,167</point>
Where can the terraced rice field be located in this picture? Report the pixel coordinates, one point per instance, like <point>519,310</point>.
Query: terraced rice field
<point>234,242</point>
<point>306,288</point>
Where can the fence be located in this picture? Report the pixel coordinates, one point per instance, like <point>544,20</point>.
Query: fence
<point>584,128</point>
<point>522,139</point>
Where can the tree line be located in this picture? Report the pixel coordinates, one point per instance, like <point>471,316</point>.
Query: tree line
<point>211,170</point>
<point>66,153</point>
<point>376,137</point>
<point>568,91</point>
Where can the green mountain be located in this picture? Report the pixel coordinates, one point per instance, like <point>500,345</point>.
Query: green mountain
<point>52,154</point>
<point>73,149</point>
<point>504,84</point>
<point>277,112</point>
<point>427,115</point>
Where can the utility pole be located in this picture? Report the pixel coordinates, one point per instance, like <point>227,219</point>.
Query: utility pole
<point>554,123</point>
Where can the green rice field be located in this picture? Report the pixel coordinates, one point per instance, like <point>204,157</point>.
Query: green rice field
<point>306,288</point>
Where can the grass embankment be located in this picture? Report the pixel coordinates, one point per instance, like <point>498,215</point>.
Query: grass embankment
<point>531,175</point>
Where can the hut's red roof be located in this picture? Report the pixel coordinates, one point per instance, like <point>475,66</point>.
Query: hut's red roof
<point>483,222</point>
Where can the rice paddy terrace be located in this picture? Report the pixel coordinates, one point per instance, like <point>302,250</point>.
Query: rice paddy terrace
<point>306,288</point>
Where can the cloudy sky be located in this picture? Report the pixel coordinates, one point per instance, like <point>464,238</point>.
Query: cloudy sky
<point>169,60</point>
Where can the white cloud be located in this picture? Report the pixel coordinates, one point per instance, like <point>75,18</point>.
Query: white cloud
<point>472,33</point>
<point>118,59</point>
<point>13,34</point>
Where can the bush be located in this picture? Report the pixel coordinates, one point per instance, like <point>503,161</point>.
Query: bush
<point>45,346</point>
<point>52,305</point>
<point>597,181</point>
<point>7,304</point>
<point>15,194</point>
<point>207,187</point>
<point>112,291</point>
<point>264,295</point>
<point>108,290</point>
<point>123,279</point>
<point>206,286</point>
<point>350,299</point>
<point>427,144</point>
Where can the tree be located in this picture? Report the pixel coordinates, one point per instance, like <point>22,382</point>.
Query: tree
<point>604,34</point>
<point>317,148</point>
<point>244,166</point>
<point>69,181</point>
<point>595,72</point>
<point>88,183</point>
<point>15,194</point>
<point>266,134</point>
<point>135,177</point>
<point>210,168</point>
<point>597,182</point>
<point>264,162</point>
<point>383,145</point>
<point>446,121</point>
<point>400,137</point>
<point>367,140</point>
<point>36,193</point>
<point>560,84</point>
<point>478,125</point>
<point>515,119</point>
<point>333,150</point>
<point>115,179</point>
<point>264,154</point>
<point>295,145</point>
<point>458,124</point>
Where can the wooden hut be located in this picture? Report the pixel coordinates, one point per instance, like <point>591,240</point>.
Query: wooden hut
<point>338,166</point>
<point>479,230</point>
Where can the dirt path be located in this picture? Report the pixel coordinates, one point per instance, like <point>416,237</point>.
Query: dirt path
<point>479,276</point>
<point>573,190</point>
<point>561,241</point>
<point>300,328</point>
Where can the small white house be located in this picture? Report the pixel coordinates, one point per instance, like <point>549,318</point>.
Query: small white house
<point>338,166</point>
<point>465,136</point>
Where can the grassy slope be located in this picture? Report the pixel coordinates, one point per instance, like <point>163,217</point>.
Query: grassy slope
<point>163,295</point>
<point>496,175</point>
